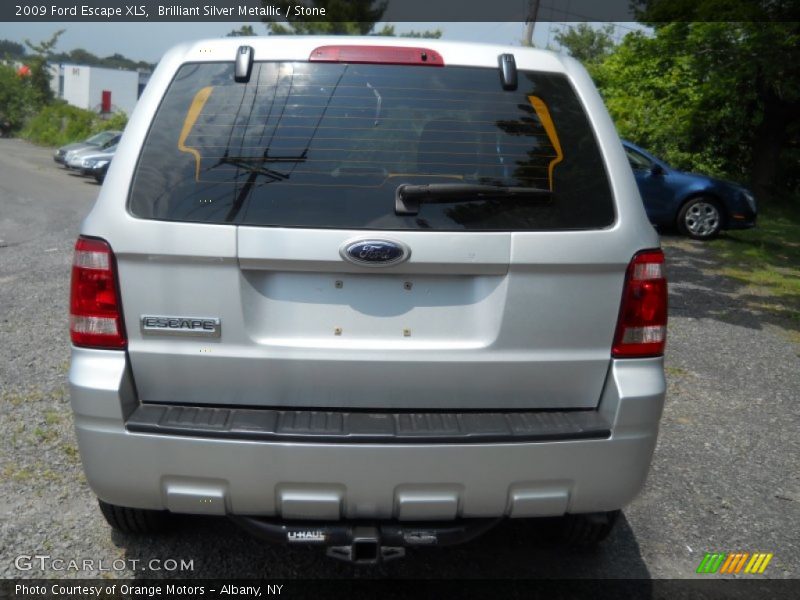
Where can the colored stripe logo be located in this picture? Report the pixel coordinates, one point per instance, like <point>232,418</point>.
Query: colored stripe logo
<point>738,562</point>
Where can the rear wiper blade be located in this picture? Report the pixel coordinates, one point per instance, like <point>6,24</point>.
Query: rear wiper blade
<point>408,197</point>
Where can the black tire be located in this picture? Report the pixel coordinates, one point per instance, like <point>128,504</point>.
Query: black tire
<point>584,530</point>
<point>700,218</point>
<point>135,521</point>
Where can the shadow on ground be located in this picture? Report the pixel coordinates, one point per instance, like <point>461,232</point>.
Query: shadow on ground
<point>513,549</point>
<point>698,290</point>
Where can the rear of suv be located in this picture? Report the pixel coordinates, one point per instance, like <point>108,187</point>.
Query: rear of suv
<point>367,295</point>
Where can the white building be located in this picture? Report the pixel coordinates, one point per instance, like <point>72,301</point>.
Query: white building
<point>97,88</point>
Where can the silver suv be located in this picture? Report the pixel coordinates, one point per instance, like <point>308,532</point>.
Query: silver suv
<point>367,295</point>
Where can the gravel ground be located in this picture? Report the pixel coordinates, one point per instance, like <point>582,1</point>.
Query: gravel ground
<point>725,475</point>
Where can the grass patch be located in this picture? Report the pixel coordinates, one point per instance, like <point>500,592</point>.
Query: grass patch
<point>15,398</point>
<point>15,473</point>
<point>675,371</point>
<point>767,258</point>
<point>72,452</point>
<point>51,417</point>
<point>45,435</point>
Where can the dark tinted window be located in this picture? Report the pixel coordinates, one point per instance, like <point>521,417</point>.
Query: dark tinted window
<point>638,160</point>
<point>327,145</point>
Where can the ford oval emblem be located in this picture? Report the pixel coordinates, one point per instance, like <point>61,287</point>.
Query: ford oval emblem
<point>375,253</point>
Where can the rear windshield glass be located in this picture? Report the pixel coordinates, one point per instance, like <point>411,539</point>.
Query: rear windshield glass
<point>327,146</point>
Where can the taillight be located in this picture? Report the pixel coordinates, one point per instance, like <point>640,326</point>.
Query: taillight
<point>642,324</point>
<point>95,314</point>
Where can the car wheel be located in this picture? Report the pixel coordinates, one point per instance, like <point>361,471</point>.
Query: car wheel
<point>135,520</point>
<point>583,530</point>
<point>700,218</point>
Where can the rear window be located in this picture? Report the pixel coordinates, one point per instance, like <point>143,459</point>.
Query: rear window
<point>325,145</point>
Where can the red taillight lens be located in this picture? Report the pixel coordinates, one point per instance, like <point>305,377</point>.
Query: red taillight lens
<point>642,324</point>
<point>95,315</point>
<point>384,55</point>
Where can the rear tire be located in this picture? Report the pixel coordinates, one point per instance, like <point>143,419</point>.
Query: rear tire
<point>584,530</point>
<point>136,521</point>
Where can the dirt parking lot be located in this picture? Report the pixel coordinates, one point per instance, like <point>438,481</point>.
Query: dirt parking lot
<point>725,476</point>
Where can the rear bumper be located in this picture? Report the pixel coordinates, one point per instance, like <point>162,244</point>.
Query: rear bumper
<point>330,481</point>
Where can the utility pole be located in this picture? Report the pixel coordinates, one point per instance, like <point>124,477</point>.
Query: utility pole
<point>533,11</point>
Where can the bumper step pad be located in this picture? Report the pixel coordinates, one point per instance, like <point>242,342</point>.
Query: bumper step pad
<point>281,425</point>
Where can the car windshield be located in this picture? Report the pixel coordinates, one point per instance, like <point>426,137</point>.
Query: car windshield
<point>100,138</point>
<point>329,145</point>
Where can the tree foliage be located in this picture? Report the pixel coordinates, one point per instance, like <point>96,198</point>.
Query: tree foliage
<point>586,43</point>
<point>39,66</point>
<point>721,98</point>
<point>79,56</point>
<point>430,34</point>
<point>342,17</point>
<point>60,123</point>
<point>730,81</point>
<point>11,50</point>
<point>243,31</point>
<point>16,98</point>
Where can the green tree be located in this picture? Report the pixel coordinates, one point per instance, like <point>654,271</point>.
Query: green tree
<point>79,56</point>
<point>243,31</point>
<point>9,49</point>
<point>724,79</point>
<point>586,43</point>
<point>16,101</point>
<point>342,17</point>
<point>718,97</point>
<point>40,69</point>
<point>434,34</point>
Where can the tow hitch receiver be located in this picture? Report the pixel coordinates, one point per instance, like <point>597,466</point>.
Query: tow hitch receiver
<point>365,543</point>
<point>366,549</point>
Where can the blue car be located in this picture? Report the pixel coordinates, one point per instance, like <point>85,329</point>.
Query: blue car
<point>698,205</point>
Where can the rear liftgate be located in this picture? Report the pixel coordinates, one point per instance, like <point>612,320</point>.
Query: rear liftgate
<point>364,542</point>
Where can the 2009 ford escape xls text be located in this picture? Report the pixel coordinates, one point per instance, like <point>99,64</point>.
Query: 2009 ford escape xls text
<point>367,295</point>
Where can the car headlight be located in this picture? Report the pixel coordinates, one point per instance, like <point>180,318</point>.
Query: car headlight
<point>750,199</point>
